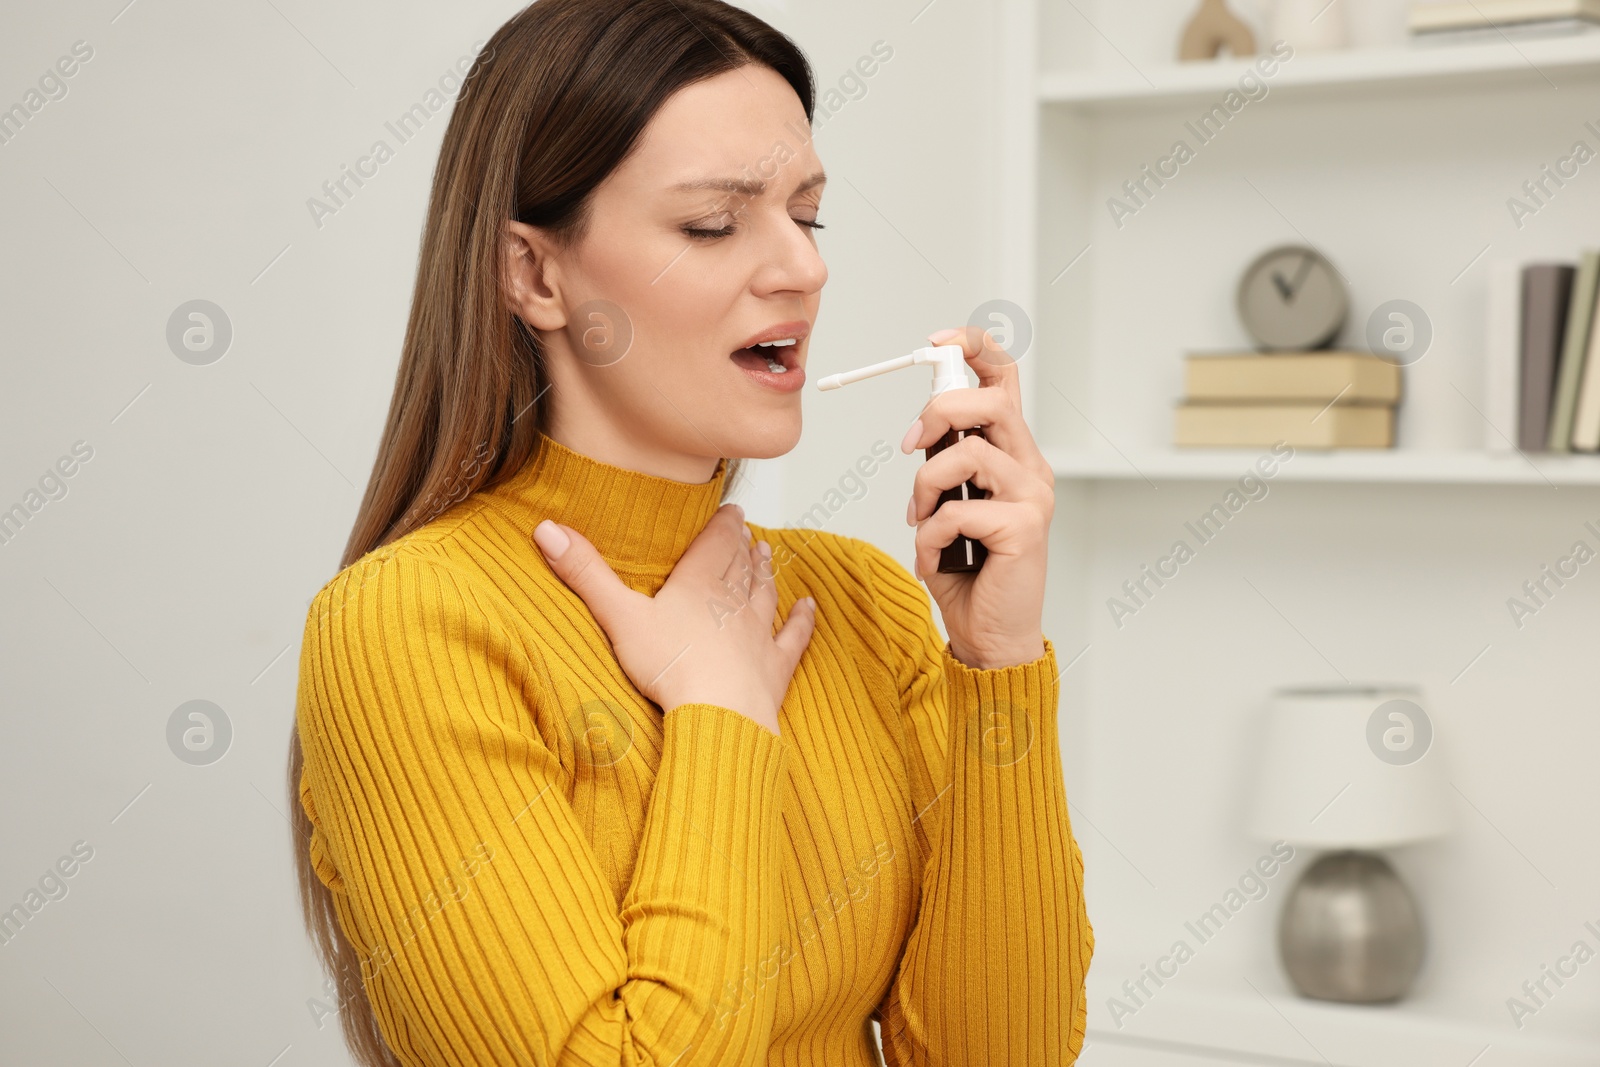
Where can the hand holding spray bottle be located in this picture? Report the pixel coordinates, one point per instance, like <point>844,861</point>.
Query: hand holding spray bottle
<point>949,372</point>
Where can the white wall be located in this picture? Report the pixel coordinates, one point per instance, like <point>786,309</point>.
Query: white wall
<point>217,499</point>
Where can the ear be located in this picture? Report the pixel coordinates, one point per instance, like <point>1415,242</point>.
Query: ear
<point>532,277</point>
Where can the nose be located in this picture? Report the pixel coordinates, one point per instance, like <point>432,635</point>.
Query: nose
<point>792,261</point>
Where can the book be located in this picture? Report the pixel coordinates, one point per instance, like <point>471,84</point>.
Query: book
<point>1424,18</point>
<point>1225,425</point>
<point>1586,420</point>
<point>1325,377</point>
<point>1502,354</point>
<point>1574,347</point>
<point>1546,295</point>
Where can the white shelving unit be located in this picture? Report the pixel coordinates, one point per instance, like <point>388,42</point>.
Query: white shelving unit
<point>1396,162</point>
<point>1201,1026</point>
<point>1339,465</point>
<point>1388,70</point>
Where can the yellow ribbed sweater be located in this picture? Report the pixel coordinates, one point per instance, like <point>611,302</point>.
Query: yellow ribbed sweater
<point>538,866</point>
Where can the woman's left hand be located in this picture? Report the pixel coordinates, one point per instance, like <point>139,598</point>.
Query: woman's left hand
<point>994,616</point>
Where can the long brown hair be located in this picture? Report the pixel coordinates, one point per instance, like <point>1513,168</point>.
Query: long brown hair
<point>552,104</point>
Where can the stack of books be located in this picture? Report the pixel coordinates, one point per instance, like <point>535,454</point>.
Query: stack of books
<point>1497,20</point>
<point>1334,399</point>
<point>1543,356</point>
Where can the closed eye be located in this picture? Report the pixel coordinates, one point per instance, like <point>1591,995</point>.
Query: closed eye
<point>727,231</point>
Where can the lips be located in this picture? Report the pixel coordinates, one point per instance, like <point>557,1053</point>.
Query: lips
<point>775,366</point>
<point>799,329</point>
<point>762,368</point>
<point>752,356</point>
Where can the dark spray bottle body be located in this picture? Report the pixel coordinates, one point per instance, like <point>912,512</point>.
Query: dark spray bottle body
<point>964,553</point>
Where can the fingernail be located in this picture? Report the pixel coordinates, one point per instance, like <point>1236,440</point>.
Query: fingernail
<point>765,550</point>
<point>749,535</point>
<point>911,512</point>
<point>942,336</point>
<point>911,437</point>
<point>552,539</point>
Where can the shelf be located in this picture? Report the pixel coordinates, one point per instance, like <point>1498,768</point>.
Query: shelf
<point>1349,465</point>
<point>1215,1021</point>
<point>1425,66</point>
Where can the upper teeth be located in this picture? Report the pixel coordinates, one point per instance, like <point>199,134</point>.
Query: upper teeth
<point>782,342</point>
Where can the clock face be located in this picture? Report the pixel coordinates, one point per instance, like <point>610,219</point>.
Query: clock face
<point>1292,298</point>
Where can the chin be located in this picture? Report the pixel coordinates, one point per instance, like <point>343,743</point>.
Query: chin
<point>775,436</point>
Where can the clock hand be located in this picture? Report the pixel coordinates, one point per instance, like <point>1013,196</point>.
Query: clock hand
<point>1283,287</point>
<point>1300,276</point>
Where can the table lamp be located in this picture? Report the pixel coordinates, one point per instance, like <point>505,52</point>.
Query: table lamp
<point>1350,769</point>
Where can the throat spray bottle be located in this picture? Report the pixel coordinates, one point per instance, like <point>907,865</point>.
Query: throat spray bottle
<point>949,372</point>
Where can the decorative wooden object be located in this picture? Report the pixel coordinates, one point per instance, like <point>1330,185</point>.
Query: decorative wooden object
<point>1212,27</point>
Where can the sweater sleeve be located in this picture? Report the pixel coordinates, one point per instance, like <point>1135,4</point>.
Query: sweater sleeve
<point>442,825</point>
<point>993,970</point>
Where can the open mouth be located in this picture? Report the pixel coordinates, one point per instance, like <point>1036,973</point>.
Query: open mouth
<point>776,357</point>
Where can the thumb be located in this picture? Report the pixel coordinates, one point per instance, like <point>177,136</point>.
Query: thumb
<point>579,564</point>
<point>796,632</point>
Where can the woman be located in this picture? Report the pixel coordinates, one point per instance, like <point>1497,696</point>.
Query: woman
<point>566,794</point>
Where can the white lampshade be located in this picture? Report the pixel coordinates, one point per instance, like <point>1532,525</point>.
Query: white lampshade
<point>1350,767</point>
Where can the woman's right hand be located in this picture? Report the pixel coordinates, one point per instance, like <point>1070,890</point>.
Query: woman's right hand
<point>707,636</point>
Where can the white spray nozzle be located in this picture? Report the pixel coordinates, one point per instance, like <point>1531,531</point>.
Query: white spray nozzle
<point>949,363</point>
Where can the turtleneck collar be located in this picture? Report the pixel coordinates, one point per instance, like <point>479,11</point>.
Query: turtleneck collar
<point>640,523</point>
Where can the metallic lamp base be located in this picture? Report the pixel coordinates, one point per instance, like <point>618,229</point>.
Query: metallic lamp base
<point>1351,931</point>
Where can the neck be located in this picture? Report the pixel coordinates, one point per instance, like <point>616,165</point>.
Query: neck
<point>641,522</point>
<point>586,423</point>
<point>591,439</point>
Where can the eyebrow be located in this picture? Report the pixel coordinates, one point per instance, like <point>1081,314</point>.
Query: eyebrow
<point>750,187</point>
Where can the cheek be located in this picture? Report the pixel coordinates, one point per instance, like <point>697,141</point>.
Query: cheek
<point>691,311</point>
